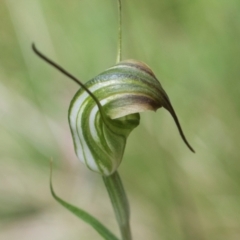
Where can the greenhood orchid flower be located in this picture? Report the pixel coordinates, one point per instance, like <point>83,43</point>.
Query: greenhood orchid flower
<point>100,126</point>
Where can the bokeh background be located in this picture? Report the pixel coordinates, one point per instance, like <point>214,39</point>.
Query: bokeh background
<point>194,49</point>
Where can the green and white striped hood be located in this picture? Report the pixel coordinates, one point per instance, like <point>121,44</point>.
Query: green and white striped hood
<point>123,91</point>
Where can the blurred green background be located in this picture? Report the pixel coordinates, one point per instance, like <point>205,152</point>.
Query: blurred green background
<point>194,49</point>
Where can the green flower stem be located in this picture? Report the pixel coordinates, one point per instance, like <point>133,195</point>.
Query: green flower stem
<point>120,204</point>
<point>119,54</point>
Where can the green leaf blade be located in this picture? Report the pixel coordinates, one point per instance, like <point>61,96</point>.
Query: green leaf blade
<point>83,215</point>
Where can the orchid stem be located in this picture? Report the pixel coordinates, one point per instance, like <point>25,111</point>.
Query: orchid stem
<point>119,48</point>
<point>119,202</point>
